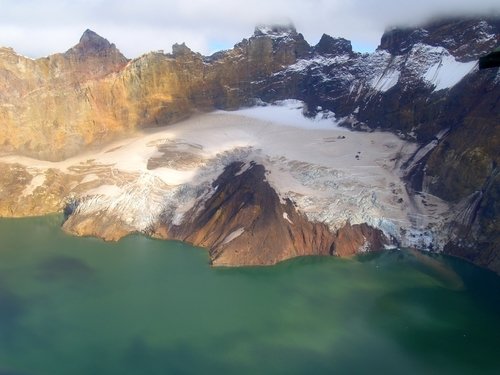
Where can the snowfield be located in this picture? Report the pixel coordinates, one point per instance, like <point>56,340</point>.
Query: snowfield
<point>332,174</point>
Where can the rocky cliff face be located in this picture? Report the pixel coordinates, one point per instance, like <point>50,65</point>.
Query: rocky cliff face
<point>55,107</point>
<point>422,84</point>
<point>49,109</point>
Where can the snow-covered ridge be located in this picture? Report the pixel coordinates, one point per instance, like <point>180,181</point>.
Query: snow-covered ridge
<point>380,71</point>
<point>317,61</point>
<point>484,32</point>
<point>433,65</point>
<point>275,32</point>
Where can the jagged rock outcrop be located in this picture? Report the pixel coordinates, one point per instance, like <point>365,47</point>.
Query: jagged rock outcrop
<point>94,57</point>
<point>333,46</point>
<point>422,83</point>
<point>463,38</point>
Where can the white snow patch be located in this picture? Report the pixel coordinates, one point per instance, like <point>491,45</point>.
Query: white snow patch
<point>243,169</point>
<point>273,33</point>
<point>290,113</point>
<point>37,181</point>
<point>319,61</point>
<point>285,216</point>
<point>380,70</point>
<point>233,235</point>
<point>386,80</point>
<point>89,178</point>
<point>421,153</point>
<point>447,72</point>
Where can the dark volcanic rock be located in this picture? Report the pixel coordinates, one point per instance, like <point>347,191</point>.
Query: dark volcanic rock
<point>91,44</point>
<point>464,38</point>
<point>476,226</point>
<point>244,222</point>
<point>181,50</point>
<point>333,46</point>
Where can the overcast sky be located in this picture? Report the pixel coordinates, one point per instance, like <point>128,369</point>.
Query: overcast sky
<point>38,28</point>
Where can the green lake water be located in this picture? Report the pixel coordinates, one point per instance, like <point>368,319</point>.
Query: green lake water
<point>140,306</point>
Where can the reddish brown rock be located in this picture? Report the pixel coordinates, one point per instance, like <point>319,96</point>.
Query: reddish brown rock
<point>358,238</point>
<point>245,223</point>
<point>100,225</point>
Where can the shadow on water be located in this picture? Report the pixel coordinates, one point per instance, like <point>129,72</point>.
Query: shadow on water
<point>12,308</point>
<point>482,285</point>
<point>430,264</point>
<point>435,267</point>
<point>374,255</point>
<point>440,327</point>
<point>63,268</point>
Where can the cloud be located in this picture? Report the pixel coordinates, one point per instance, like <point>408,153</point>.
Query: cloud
<point>38,28</point>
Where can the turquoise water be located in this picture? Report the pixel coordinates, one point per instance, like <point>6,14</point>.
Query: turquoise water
<point>140,306</point>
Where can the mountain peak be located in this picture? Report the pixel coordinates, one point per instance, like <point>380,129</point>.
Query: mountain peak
<point>181,50</point>
<point>277,30</point>
<point>96,54</point>
<point>93,42</point>
<point>333,46</point>
<point>464,38</point>
<point>91,36</point>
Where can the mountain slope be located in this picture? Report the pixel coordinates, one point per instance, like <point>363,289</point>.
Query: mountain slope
<point>421,84</point>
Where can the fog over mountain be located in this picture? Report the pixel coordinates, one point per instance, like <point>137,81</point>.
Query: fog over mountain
<point>206,26</point>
